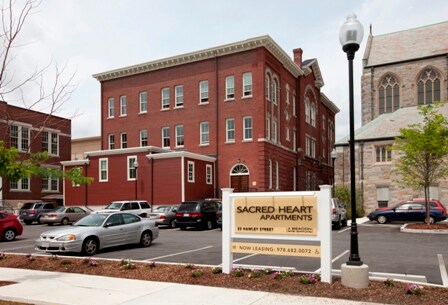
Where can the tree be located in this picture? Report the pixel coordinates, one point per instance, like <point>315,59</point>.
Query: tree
<point>423,150</point>
<point>36,90</point>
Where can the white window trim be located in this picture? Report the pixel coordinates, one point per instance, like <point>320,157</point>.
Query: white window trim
<point>274,131</point>
<point>163,137</point>
<point>49,190</point>
<point>227,98</point>
<point>228,130</point>
<point>268,129</point>
<point>19,186</point>
<point>123,105</point>
<point>250,92</point>
<point>141,137</point>
<point>208,174</point>
<point>245,128</point>
<point>110,108</point>
<point>109,144</point>
<point>270,175</point>
<point>162,107</point>
<point>201,133</point>
<point>106,170</point>
<point>141,102</point>
<point>191,180</point>
<point>20,139</point>
<point>183,135</point>
<point>130,167</point>
<point>206,100</point>
<point>121,140</point>
<point>179,96</point>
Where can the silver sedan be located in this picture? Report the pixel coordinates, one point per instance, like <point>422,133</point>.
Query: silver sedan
<point>164,215</point>
<point>98,231</point>
<point>64,215</point>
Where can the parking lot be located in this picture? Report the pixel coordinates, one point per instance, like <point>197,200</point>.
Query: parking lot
<point>387,251</point>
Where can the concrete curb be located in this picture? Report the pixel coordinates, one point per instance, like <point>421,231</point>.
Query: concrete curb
<point>417,231</point>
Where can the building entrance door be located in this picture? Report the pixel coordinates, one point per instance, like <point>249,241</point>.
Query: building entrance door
<point>239,178</point>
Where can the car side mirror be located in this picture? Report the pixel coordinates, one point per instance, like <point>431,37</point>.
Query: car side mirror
<point>107,224</point>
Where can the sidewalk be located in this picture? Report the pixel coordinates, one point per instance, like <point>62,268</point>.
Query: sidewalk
<point>43,287</point>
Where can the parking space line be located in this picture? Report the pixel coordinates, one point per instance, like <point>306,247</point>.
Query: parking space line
<point>334,259</point>
<point>14,248</point>
<point>244,257</point>
<point>178,253</point>
<point>443,270</point>
<point>340,231</point>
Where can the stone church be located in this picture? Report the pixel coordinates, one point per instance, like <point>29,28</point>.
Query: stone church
<point>401,71</point>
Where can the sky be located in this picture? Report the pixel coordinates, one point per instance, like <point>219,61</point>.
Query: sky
<point>86,37</point>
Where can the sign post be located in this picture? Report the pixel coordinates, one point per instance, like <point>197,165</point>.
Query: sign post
<point>295,216</point>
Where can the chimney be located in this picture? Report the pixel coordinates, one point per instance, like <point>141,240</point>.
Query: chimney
<point>298,56</point>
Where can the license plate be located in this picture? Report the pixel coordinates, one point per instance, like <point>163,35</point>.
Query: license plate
<point>186,214</point>
<point>45,244</point>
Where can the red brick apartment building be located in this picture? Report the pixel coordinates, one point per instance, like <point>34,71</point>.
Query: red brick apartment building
<point>30,132</point>
<point>243,115</point>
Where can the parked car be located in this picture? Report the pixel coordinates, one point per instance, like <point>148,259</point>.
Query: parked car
<point>98,231</point>
<point>198,213</point>
<point>165,215</point>
<point>219,217</point>
<point>10,226</point>
<point>137,207</point>
<point>32,211</point>
<point>64,215</point>
<point>433,203</point>
<point>338,214</point>
<point>407,211</point>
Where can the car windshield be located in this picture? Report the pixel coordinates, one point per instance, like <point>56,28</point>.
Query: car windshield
<point>92,220</point>
<point>27,205</point>
<point>114,206</point>
<point>162,209</point>
<point>189,207</point>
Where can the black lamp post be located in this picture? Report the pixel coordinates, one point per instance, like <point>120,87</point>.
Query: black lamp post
<point>333,158</point>
<point>136,168</point>
<point>350,36</point>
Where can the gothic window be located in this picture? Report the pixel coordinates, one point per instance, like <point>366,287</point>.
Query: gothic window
<point>389,95</point>
<point>428,87</point>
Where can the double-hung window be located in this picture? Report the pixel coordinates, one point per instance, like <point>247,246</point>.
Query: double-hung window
<point>20,137</point>
<point>123,105</point>
<point>165,137</point>
<point>179,98</point>
<point>50,142</point>
<point>124,140</point>
<point>247,84</point>
<point>208,174</point>
<point>203,92</point>
<point>180,136</point>
<point>230,87</point>
<point>110,108</point>
<point>143,102</point>
<point>143,137</point>
<point>20,185</point>
<point>247,128</point>
<point>190,171</point>
<point>230,130</point>
<point>132,170</point>
<point>104,169</point>
<point>165,98</point>
<point>50,184</point>
<point>111,141</point>
<point>204,131</point>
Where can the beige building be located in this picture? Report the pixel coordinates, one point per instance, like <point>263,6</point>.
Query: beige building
<point>81,145</point>
<point>400,71</point>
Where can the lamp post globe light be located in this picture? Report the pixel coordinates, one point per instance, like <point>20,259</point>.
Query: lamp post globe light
<point>354,273</point>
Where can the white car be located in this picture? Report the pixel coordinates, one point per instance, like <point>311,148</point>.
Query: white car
<point>97,231</point>
<point>137,207</point>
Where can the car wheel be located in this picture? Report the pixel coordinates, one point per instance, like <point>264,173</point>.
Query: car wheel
<point>381,219</point>
<point>28,222</point>
<point>38,220</point>
<point>90,246</point>
<point>146,239</point>
<point>9,235</point>
<point>209,225</point>
<point>172,224</point>
<point>338,224</point>
<point>64,221</point>
<point>432,219</point>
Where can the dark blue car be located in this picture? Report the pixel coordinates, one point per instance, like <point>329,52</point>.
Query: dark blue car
<point>406,211</point>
